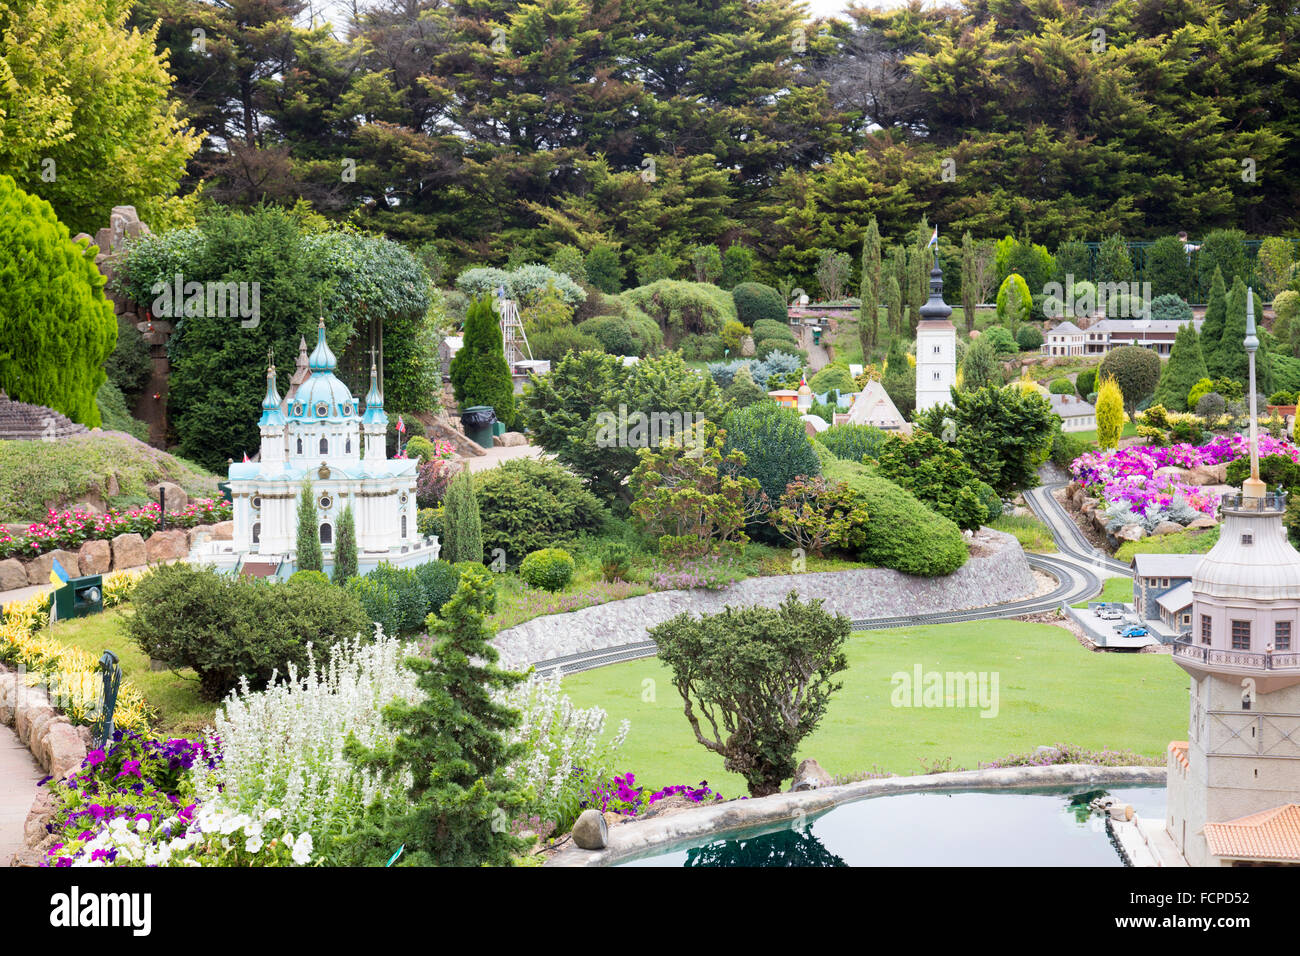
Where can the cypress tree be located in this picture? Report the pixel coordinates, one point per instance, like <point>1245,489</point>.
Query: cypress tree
<point>1233,361</point>
<point>900,378</point>
<point>452,745</point>
<point>462,530</point>
<point>345,550</point>
<point>901,274</point>
<point>1110,413</point>
<point>310,557</point>
<point>1216,311</point>
<point>968,289</point>
<point>479,372</point>
<point>1186,367</point>
<point>894,301</point>
<point>868,314</point>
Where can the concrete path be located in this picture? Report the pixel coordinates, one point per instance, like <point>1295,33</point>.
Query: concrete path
<point>18,777</point>
<point>496,456</point>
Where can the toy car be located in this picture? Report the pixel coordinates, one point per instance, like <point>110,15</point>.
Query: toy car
<point>1134,631</point>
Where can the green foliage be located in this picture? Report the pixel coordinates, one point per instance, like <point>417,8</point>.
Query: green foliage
<point>393,598</point>
<point>683,308</point>
<point>755,301</point>
<point>1061,386</point>
<point>550,569</point>
<point>1167,268</point>
<point>743,390</point>
<point>439,579</point>
<point>1002,433</point>
<point>604,269</point>
<point>656,265</point>
<point>56,327</point>
<point>1072,259</point>
<point>309,554</point>
<point>899,380</point>
<point>814,514</point>
<point>1222,251</point>
<point>615,561</point>
<point>1113,261</point>
<point>480,374</point>
<point>569,261</point>
<point>1001,341</point>
<point>1029,338</point>
<point>1231,360</point>
<point>1135,369</point>
<point>894,306</point>
<point>632,334</point>
<point>1014,303</point>
<point>420,448</point>
<point>230,626</point>
<point>980,367</point>
<point>1085,382</point>
<point>527,504</point>
<point>573,412</point>
<point>450,744</point>
<point>937,474</point>
<point>1216,317</point>
<point>833,377</point>
<point>852,442</point>
<point>1066,447</point>
<point>526,284</point>
<point>1275,266</point>
<point>775,446</point>
<point>902,532</point>
<point>462,529</point>
<point>131,363</point>
<point>556,344</point>
<point>1185,368</point>
<point>869,289</point>
<point>1031,261</point>
<point>760,678</point>
<point>737,266</point>
<point>345,550</point>
<point>113,413</point>
<point>706,261</point>
<point>1170,308</point>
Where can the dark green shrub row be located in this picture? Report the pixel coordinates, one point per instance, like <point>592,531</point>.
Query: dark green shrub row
<point>526,505</point>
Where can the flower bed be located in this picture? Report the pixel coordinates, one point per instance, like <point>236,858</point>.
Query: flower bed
<point>70,529</point>
<point>1127,476</point>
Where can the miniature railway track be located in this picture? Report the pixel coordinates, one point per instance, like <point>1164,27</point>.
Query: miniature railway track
<point>1073,584</point>
<point>1070,541</point>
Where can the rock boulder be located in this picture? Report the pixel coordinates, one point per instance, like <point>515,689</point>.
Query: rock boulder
<point>38,569</point>
<point>590,831</point>
<point>129,551</point>
<point>12,574</point>
<point>175,497</point>
<point>95,557</point>
<point>810,776</point>
<point>167,545</point>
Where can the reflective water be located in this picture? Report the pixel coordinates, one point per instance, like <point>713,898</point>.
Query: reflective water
<point>963,828</point>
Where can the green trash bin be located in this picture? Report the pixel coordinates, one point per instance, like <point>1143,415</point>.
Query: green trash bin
<point>79,597</point>
<point>477,421</point>
<point>498,428</point>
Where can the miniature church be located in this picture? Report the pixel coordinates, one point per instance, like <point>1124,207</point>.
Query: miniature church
<point>320,434</point>
<point>936,347</point>
<point>1234,784</point>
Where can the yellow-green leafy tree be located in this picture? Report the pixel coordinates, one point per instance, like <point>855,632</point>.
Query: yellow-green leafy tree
<point>86,122</point>
<point>1110,413</point>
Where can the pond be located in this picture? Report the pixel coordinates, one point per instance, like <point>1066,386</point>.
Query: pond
<point>1048,827</point>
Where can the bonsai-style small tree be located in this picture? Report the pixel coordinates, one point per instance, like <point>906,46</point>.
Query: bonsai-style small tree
<point>759,678</point>
<point>310,556</point>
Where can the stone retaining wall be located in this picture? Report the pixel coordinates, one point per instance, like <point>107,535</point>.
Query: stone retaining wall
<point>1000,575</point>
<point>642,837</point>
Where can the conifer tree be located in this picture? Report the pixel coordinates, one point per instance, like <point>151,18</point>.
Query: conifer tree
<point>462,530</point>
<point>868,314</point>
<point>900,378</point>
<point>980,367</point>
<point>345,548</point>
<point>310,556</point>
<point>1110,413</point>
<point>1216,311</point>
<point>901,273</point>
<point>894,303</point>
<point>1232,359</point>
<point>479,372</point>
<point>968,281</point>
<point>1186,367</point>
<point>459,805</point>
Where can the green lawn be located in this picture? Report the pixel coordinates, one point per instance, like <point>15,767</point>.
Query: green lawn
<point>1113,589</point>
<point>1181,542</point>
<point>1130,431</point>
<point>174,696</point>
<point>1051,690</point>
<point>1032,534</point>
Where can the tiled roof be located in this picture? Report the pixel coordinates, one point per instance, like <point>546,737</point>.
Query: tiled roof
<point>1065,328</point>
<point>1175,599</point>
<point>20,421</point>
<point>1166,565</point>
<point>1268,835</point>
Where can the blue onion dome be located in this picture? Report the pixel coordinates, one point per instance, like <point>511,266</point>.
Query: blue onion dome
<point>323,397</point>
<point>375,414</point>
<point>271,414</point>
<point>322,359</point>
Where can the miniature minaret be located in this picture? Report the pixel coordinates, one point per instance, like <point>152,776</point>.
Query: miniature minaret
<point>936,347</point>
<point>1237,775</point>
<point>272,424</point>
<point>374,423</point>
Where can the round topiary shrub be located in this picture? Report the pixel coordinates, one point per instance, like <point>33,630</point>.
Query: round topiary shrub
<point>1061,386</point>
<point>1211,406</point>
<point>439,580</point>
<point>1170,307</point>
<point>756,302</point>
<point>833,377</point>
<point>768,329</point>
<point>613,335</point>
<point>776,446</point>
<point>318,576</point>
<point>527,504</point>
<point>550,569</point>
<point>1029,338</point>
<point>1136,371</point>
<point>421,448</point>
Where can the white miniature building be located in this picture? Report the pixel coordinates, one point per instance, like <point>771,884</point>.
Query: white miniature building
<point>1065,339</point>
<point>1234,784</point>
<point>873,406</point>
<point>1076,414</point>
<point>936,348</point>
<point>326,439</point>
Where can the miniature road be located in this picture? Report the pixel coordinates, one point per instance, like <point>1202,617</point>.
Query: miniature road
<point>1069,539</point>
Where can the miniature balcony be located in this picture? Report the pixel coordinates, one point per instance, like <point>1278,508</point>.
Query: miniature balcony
<point>1281,662</point>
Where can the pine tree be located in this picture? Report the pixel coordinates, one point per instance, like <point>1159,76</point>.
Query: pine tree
<point>894,301</point>
<point>868,314</point>
<point>479,372</point>
<point>310,557</point>
<point>462,530</point>
<point>1216,312</point>
<point>968,281</point>
<point>452,745</point>
<point>1186,367</point>
<point>1110,413</point>
<point>345,548</point>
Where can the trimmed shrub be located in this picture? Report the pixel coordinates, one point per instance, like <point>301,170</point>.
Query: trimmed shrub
<point>229,626</point>
<point>852,442</point>
<point>1029,338</point>
<point>1170,308</point>
<point>757,302</point>
<point>902,533</point>
<point>833,377</point>
<point>615,561</point>
<point>1166,268</point>
<point>635,334</point>
<point>550,569</point>
<point>1223,249</point>
<point>1211,406</point>
<point>345,548</point>
<point>418,446</point>
<point>775,444</point>
<point>439,579</point>
<point>769,329</point>
<point>462,533</point>
<point>1136,371</point>
<point>556,344</point>
<point>1014,302</point>
<point>1085,382</point>
<point>526,505</point>
<point>479,373</point>
<point>743,390</point>
<point>1061,386</point>
<point>683,308</point>
<point>393,597</point>
<point>990,499</point>
<point>766,347</point>
<point>1000,340</point>
<point>317,576</point>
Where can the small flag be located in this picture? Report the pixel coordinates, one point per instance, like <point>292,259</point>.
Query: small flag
<point>934,240</point>
<point>245,456</point>
<point>401,426</point>
<point>393,859</point>
<point>58,576</point>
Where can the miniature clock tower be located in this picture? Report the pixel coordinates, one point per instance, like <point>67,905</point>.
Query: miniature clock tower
<point>936,347</point>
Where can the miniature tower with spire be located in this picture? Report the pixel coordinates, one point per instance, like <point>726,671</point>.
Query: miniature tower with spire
<point>1233,784</point>
<point>374,423</point>
<point>272,423</point>
<point>936,347</point>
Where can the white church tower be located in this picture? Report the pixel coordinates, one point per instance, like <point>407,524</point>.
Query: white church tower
<point>936,347</point>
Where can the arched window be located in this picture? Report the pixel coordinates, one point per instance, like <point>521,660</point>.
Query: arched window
<point>324,445</point>
<point>347,446</point>
<point>326,534</point>
<point>257,532</point>
<point>403,526</point>
<point>300,445</point>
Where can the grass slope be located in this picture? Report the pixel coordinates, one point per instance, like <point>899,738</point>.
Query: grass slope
<point>37,475</point>
<point>1051,690</point>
